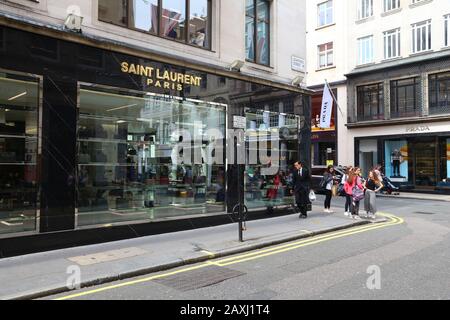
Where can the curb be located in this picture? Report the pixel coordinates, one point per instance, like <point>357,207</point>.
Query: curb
<point>410,198</point>
<point>182,262</point>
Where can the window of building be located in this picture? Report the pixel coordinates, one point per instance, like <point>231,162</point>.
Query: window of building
<point>257,31</point>
<point>325,13</point>
<point>165,18</point>
<point>392,44</point>
<point>446,30</point>
<point>325,55</point>
<point>406,98</point>
<point>365,9</point>
<point>421,36</point>
<point>439,93</point>
<point>136,159</point>
<point>365,50</point>
<point>370,102</point>
<point>19,108</point>
<point>391,5</point>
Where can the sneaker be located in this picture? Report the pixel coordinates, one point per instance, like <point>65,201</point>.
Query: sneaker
<point>356,217</point>
<point>347,213</point>
<point>326,211</point>
<point>330,211</point>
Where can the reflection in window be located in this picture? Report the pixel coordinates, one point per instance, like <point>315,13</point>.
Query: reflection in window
<point>129,166</point>
<point>199,22</point>
<point>173,18</point>
<point>257,33</point>
<point>166,18</point>
<point>144,15</point>
<point>113,11</point>
<point>18,153</point>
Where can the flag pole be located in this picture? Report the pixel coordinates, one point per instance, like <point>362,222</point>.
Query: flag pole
<point>334,98</point>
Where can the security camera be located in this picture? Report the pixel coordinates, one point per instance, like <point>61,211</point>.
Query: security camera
<point>236,65</point>
<point>73,22</point>
<point>298,80</point>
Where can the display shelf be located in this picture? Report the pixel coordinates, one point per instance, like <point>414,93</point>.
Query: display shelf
<point>99,140</point>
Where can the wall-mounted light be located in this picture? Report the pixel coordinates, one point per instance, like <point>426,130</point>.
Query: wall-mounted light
<point>297,81</point>
<point>73,22</point>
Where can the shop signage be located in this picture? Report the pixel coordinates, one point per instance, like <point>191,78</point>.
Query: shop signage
<point>161,78</point>
<point>239,122</point>
<point>418,129</point>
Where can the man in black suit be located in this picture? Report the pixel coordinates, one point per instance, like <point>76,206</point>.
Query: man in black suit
<point>302,181</point>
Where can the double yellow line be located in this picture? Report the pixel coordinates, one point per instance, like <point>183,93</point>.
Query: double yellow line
<point>393,220</point>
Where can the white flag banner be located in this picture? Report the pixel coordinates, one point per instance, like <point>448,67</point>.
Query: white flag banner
<point>327,109</point>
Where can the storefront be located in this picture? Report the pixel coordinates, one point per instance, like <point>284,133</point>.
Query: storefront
<point>88,141</point>
<point>416,161</point>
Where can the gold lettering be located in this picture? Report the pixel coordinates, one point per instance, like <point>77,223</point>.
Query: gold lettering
<point>187,79</point>
<point>158,84</point>
<point>180,78</point>
<point>173,76</point>
<point>158,74</point>
<point>132,69</point>
<point>149,82</point>
<point>166,85</point>
<point>124,67</point>
<point>180,87</point>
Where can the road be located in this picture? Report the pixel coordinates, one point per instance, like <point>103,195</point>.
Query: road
<point>409,259</point>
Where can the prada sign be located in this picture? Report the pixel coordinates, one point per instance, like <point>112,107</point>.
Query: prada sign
<point>161,78</point>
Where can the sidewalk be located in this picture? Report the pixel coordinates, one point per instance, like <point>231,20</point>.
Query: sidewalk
<point>418,196</point>
<point>43,274</point>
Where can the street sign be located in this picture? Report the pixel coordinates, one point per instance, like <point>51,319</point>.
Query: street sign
<point>298,64</point>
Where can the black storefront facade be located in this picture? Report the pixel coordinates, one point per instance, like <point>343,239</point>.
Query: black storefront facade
<point>88,134</point>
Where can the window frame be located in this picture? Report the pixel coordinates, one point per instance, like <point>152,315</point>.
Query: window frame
<point>371,42</point>
<point>387,37</point>
<point>401,84</point>
<point>426,24</point>
<point>158,34</point>
<point>369,9</point>
<point>379,92</point>
<point>392,3</point>
<point>327,23</point>
<point>255,33</point>
<point>326,53</point>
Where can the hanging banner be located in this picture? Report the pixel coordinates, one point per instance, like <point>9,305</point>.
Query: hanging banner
<point>327,109</point>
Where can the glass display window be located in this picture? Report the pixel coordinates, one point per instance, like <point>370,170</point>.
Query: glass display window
<point>19,148</point>
<point>262,191</point>
<point>397,160</point>
<point>130,164</point>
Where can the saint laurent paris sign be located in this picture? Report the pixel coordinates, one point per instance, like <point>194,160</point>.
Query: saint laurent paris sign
<point>161,78</point>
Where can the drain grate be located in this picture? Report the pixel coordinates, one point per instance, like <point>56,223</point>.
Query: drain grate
<point>197,279</point>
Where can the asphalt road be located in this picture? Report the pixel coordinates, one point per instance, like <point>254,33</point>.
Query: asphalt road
<point>404,261</point>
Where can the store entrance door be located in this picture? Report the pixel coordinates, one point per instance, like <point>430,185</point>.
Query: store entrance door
<point>269,133</point>
<point>425,162</point>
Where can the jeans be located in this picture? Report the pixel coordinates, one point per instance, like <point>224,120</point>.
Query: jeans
<point>328,196</point>
<point>348,203</point>
<point>355,208</point>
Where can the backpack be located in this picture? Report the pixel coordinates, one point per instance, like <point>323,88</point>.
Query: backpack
<point>323,183</point>
<point>358,194</point>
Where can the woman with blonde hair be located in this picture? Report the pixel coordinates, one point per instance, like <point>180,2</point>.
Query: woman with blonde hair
<point>354,187</point>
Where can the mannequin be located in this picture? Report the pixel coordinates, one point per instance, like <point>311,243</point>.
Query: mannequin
<point>396,159</point>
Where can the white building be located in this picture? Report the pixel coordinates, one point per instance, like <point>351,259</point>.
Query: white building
<point>394,57</point>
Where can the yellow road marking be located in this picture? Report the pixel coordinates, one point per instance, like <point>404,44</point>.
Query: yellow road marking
<point>251,256</point>
<point>209,253</point>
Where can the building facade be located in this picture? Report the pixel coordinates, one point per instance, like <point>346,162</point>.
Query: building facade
<point>91,115</point>
<point>396,65</point>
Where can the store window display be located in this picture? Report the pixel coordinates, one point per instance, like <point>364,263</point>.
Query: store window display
<point>397,161</point>
<point>130,163</point>
<point>19,107</point>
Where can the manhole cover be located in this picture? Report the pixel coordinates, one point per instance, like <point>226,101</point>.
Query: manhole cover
<point>197,279</point>
<point>107,256</point>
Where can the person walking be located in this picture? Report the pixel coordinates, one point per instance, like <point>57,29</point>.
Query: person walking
<point>301,180</point>
<point>354,187</point>
<point>372,185</point>
<point>348,197</point>
<point>328,182</point>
